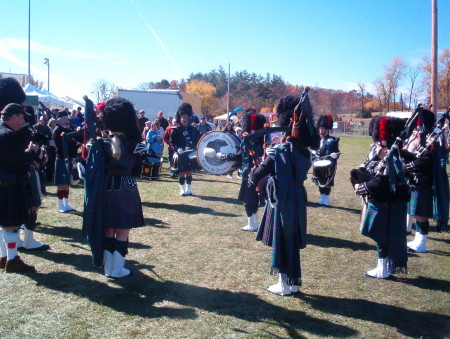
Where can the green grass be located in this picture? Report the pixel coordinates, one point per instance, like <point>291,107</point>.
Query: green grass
<point>196,275</point>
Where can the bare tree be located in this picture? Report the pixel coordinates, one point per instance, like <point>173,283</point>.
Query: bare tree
<point>413,73</point>
<point>103,89</point>
<point>143,86</point>
<point>393,75</point>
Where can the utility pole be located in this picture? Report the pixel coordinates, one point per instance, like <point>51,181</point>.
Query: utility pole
<point>228,94</point>
<point>434,56</point>
<point>29,37</point>
<point>47,62</point>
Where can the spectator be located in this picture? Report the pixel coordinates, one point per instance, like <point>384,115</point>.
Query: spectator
<point>142,120</point>
<point>162,121</point>
<point>167,134</point>
<point>155,140</point>
<point>203,127</point>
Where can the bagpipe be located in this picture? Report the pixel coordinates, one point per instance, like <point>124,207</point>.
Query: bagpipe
<point>398,143</point>
<point>437,132</point>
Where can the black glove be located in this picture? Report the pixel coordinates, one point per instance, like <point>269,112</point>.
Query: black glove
<point>410,167</point>
<point>362,190</point>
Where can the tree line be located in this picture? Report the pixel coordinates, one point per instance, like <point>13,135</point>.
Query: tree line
<point>400,87</point>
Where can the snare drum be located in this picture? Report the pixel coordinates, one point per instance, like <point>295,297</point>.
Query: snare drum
<point>151,168</point>
<point>185,162</point>
<point>323,172</point>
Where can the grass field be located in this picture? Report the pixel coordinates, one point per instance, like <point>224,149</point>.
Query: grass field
<point>196,275</point>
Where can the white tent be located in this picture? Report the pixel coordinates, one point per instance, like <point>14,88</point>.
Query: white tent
<point>47,98</point>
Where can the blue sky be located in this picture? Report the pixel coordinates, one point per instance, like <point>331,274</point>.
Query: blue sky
<point>331,44</point>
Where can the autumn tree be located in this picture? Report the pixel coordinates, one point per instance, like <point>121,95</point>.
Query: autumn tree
<point>205,91</point>
<point>443,78</point>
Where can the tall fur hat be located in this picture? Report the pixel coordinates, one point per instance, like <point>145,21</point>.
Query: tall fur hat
<point>425,119</point>
<point>325,121</point>
<point>119,116</point>
<point>252,121</point>
<point>184,109</point>
<point>308,136</point>
<point>10,92</point>
<point>285,109</point>
<point>387,129</point>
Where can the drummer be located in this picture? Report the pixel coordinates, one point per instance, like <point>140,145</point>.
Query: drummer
<point>183,139</point>
<point>328,150</point>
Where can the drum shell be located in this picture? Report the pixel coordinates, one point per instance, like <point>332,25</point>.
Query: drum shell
<point>221,142</point>
<point>151,168</point>
<point>323,172</point>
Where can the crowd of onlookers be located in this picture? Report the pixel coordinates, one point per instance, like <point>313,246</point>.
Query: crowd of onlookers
<point>155,133</point>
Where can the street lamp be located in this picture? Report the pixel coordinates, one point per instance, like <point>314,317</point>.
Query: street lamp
<point>47,62</point>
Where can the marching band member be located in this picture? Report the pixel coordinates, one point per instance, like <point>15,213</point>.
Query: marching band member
<point>284,223</point>
<point>329,149</point>
<point>251,122</point>
<point>15,195</point>
<point>66,150</point>
<point>112,202</point>
<point>420,174</point>
<point>184,139</point>
<point>385,217</point>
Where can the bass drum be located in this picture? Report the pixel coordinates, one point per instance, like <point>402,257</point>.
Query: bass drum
<point>218,142</point>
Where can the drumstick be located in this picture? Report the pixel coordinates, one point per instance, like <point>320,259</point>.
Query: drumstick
<point>329,155</point>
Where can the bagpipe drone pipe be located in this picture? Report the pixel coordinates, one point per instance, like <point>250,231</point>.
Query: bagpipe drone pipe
<point>434,135</point>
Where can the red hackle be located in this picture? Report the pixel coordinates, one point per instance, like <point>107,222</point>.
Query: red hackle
<point>384,125</point>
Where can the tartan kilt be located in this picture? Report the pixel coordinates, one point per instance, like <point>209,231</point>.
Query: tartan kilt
<point>15,204</point>
<point>62,175</point>
<point>248,195</point>
<point>123,207</point>
<point>265,230</point>
<point>421,202</point>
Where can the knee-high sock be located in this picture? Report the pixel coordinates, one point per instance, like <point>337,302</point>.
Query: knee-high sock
<point>325,190</point>
<point>122,247</point>
<point>2,244</point>
<point>250,209</point>
<point>11,239</point>
<point>382,251</point>
<point>422,227</point>
<point>181,180</point>
<point>189,180</point>
<point>109,244</point>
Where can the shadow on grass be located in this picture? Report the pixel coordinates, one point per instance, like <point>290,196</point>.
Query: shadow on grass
<point>426,283</point>
<point>447,241</point>
<point>217,181</point>
<point>408,322</point>
<point>220,199</point>
<point>189,209</point>
<point>437,252</point>
<point>316,205</point>
<point>142,296</point>
<point>326,242</point>
<point>150,222</point>
<point>72,235</point>
<point>68,233</point>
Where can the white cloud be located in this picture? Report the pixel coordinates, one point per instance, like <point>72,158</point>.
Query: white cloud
<point>11,44</point>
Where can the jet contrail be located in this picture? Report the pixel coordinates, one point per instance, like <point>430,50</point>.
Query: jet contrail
<point>174,65</point>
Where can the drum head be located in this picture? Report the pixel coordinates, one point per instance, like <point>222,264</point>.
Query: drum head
<point>322,163</point>
<point>220,142</point>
